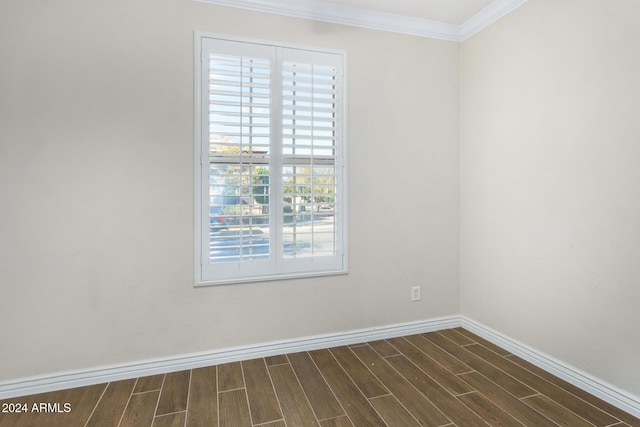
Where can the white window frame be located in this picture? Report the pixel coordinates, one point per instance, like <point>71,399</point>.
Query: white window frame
<point>205,273</point>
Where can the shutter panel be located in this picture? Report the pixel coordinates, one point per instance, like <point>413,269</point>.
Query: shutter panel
<point>310,161</point>
<point>238,129</point>
<point>239,102</point>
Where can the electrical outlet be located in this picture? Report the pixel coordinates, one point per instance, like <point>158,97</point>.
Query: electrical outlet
<point>415,293</point>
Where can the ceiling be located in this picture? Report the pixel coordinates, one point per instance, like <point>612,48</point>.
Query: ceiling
<point>450,11</point>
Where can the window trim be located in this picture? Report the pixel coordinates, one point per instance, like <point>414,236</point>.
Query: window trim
<point>199,233</point>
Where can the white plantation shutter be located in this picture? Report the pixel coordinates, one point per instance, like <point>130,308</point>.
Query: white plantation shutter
<point>236,129</point>
<point>311,160</point>
<point>270,187</point>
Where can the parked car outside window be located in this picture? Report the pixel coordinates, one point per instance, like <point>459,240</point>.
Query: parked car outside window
<point>216,219</point>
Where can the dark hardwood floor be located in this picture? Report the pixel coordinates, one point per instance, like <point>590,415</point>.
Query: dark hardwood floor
<point>446,378</point>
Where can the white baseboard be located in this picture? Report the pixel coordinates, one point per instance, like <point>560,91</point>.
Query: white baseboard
<point>63,380</point>
<point>58,381</point>
<point>607,392</point>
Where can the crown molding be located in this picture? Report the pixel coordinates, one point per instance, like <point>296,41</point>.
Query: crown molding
<point>488,16</point>
<point>319,10</point>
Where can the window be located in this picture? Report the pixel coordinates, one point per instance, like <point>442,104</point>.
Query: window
<point>270,166</point>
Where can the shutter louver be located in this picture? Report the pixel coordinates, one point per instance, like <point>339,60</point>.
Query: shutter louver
<point>239,136</point>
<point>309,160</point>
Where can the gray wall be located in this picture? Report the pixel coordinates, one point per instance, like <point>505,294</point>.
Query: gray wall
<point>550,207</point>
<point>96,166</point>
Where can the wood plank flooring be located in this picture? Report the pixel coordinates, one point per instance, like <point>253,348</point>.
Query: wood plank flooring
<point>445,378</point>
